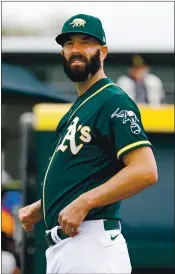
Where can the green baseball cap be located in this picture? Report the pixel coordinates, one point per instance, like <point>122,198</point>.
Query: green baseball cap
<point>85,24</point>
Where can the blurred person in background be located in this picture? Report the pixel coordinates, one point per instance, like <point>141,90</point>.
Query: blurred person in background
<point>8,223</point>
<point>142,86</point>
<point>10,259</point>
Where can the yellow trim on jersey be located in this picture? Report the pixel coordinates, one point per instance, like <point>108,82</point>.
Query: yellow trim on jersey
<point>95,93</point>
<point>155,119</point>
<point>44,209</point>
<point>128,147</point>
<point>47,116</point>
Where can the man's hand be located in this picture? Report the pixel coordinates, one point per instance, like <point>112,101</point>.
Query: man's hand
<point>30,215</point>
<point>73,215</point>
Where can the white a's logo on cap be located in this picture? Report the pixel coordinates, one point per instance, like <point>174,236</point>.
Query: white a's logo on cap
<point>78,22</point>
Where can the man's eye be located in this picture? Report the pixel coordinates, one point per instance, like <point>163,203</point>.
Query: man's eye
<point>85,42</point>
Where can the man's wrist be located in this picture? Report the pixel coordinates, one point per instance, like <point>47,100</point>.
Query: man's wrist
<point>38,204</point>
<point>88,205</point>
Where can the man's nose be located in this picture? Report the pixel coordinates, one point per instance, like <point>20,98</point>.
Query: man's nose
<point>76,47</point>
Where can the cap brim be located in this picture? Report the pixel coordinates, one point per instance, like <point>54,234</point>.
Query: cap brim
<point>60,39</point>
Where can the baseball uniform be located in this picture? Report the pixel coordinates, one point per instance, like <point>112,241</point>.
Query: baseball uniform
<point>100,128</point>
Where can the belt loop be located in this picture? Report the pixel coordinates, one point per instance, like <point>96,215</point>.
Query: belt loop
<point>54,234</point>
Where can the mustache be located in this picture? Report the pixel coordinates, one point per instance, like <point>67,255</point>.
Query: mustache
<point>80,74</point>
<point>78,56</point>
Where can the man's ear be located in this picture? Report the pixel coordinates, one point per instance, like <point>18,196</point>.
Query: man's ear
<point>104,52</point>
<point>62,52</point>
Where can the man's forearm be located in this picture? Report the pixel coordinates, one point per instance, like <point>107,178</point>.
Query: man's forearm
<point>129,181</point>
<point>36,208</point>
<point>38,204</point>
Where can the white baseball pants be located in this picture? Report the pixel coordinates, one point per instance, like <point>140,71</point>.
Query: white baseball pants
<point>93,250</point>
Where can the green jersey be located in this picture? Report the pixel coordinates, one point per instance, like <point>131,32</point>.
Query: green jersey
<point>102,125</point>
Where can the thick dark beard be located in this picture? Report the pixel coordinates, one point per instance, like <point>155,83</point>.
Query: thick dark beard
<point>79,74</point>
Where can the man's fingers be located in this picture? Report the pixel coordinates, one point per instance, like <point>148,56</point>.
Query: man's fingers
<point>22,214</point>
<point>28,216</point>
<point>71,230</point>
<point>26,221</point>
<point>63,225</point>
<point>25,215</point>
<point>26,211</point>
<point>60,218</point>
<point>28,228</point>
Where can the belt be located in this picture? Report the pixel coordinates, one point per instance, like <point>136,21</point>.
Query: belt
<point>52,238</point>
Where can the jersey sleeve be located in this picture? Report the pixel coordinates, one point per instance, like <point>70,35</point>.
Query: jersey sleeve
<point>120,125</point>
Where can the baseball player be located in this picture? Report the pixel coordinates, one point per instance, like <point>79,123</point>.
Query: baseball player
<point>101,156</point>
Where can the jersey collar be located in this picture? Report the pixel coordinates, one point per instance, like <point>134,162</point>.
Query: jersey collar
<point>94,88</point>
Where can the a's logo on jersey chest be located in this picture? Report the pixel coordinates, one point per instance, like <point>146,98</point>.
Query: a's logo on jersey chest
<point>74,130</point>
